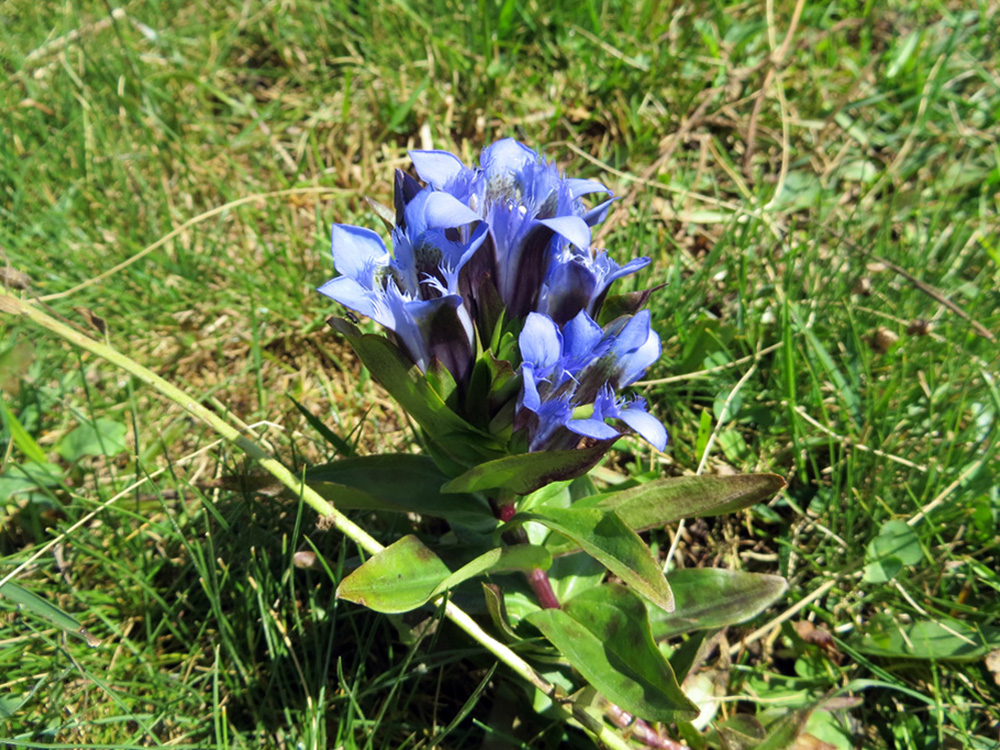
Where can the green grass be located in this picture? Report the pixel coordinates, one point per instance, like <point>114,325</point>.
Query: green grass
<point>874,146</point>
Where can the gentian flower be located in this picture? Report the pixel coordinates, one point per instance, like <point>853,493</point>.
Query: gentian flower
<point>578,280</point>
<point>494,255</point>
<point>414,295</point>
<point>580,365</point>
<point>528,206</point>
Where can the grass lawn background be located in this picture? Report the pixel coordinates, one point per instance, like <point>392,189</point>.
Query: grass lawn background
<point>817,185</point>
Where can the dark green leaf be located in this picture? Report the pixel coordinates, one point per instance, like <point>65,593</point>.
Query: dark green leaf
<point>714,598</point>
<point>629,303</point>
<point>498,611</point>
<point>662,501</point>
<point>604,633</point>
<point>403,482</point>
<point>527,472</point>
<point>605,537</point>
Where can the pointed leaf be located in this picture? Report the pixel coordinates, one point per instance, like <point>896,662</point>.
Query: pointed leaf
<point>408,574</point>
<point>605,537</point>
<point>400,578</point>
<point>629,303</point>
<point>715,598</point>
<point>527,472</point>
<point>498,611</point>
<point>22,439</point>
<point>403,482</point>
<point>404,381</point>
<point>39,607</point>
<point>521,557</point>
<point>663,501</point>
<point>604,633</point>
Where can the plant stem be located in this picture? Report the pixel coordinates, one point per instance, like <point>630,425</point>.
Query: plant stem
<point>16,306</point>
<point>542,587</point>
<point>538,579</point>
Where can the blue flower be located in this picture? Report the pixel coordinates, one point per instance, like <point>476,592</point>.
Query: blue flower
<point>414,294</point>
<point>482,253</point>
<point>578,280</point>
<point>530,210</point>
<point>582,365</point>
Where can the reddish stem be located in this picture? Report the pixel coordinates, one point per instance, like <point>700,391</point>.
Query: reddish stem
<point>640,731</point>
<point>537,577</point>
<point>542,587</point>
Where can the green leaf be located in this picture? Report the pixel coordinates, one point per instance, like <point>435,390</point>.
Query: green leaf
<point>408,574</point>
<point>402,483</point>
<point>628,303</point>
<point>102,437</point>
<point>28,476</point>
<point>715,598</point>
<point>400,578</point>
<point>896,546</point>
<point>704,433</point>
<point>603,535</point>
<point>39,607</point>
<point>527,472</point>
<point>663,501</point>
<point>522,557</point>
<point>498,611</point>
<point>604,633</point>
<point>941,640</point>
<point>24,442</point>
<point>404,381</point>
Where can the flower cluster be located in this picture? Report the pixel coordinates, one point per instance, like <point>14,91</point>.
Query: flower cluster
<point>504,249</point>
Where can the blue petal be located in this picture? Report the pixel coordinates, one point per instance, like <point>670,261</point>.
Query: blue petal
<point>636,264</point>
<point>540,341</point>
<point>597,213</point>
<point>579,187</point>
<point>353,295</point>
<point>356,250</point>
<point>551,416</point>
<point>645,424</point>
<point>529,396</point>
<point>507,155</point>
<point>573,228</point>
<point>640,360</point>
<point>592,428</point>
<point>581,335</point>
<point>444,211</point>
<point>569,289</point>
<point>436,168</point>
